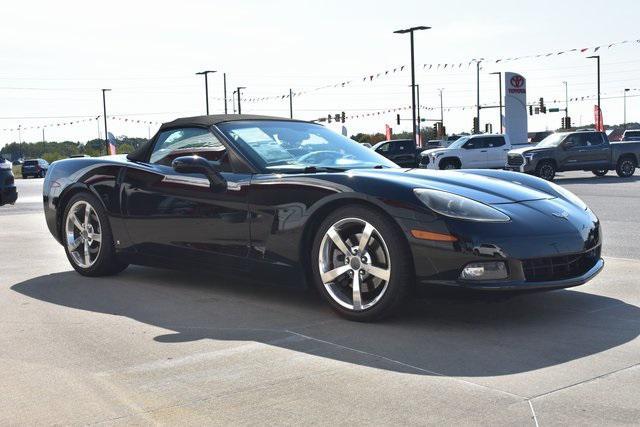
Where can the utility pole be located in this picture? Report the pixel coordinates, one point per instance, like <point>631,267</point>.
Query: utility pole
<point>499,74</point>
<point>566,101</point>
<point>104,110</point>
<point>224,80</point>
<point>290,104</point>
<point>206,86</point>
<point>44,143</point>
<point>625,108</point>
<point>478,95</point>
<point>441,110</point>
<point>238,90</point>
<point>597,58</point>
<point>413,77</point>
<point>233,101</point>
<point>418,101</point>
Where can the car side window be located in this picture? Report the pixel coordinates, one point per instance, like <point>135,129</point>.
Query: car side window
<point>384,148</point>
<point>593,139</point>
<point>404,146</point>
<point>475,143</point>
<point>573,141</point>
<point>189,141</point>
<point>496,141</point>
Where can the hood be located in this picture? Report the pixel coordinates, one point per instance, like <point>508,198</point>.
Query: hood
<point>433,150</point>
<point>486,189</point>
<point>523,150</point>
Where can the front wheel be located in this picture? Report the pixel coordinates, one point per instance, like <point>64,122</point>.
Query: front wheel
<point>600,172</point>
<point>361,264</point>
<point>546,170</point>
<point>87,237</point>
<point>626,167</point>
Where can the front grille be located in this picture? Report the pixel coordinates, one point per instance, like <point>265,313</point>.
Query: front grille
<point>515,160</point>
<point>560,267</point>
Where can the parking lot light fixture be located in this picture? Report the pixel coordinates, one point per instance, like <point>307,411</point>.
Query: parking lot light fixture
<point>413,76</point>
<point>206,86</point>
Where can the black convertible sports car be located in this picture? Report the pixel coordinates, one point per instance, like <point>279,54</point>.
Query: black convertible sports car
<point>263,194</point>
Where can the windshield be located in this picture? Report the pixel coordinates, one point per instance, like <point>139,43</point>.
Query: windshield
<point>458,143</point>
<point>286,145</point>
<point>552,140</point>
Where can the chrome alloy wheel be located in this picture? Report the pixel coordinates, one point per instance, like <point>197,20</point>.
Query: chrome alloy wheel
<point>354,262</point>
<point>83,234</point>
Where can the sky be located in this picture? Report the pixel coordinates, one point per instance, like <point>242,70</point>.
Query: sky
<point>56,56</point>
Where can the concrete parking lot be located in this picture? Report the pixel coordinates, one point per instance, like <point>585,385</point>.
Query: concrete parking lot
<point>167,347</point>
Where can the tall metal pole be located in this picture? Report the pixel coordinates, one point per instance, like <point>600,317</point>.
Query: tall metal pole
<point>625,109</point>
<point>206,86</point>
<point>233,101</point>
<point>478,95</point>
<point>499,74</point>
<point>418,102</point>
<point>413,78</point>
<point>597,57</point>
<point>441,110</point>
<point>104,111</point>
<point>290,104</point>
<point>239,106</point>
<point>224,79</point>
<point>566,100</point>
<point>44,143</point>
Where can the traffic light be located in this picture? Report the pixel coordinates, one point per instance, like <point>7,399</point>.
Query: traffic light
<point>435,128</point>
<point>543,109</point>
<point>568,123</point>
<point>328,118</point>
<point>564,124</point>
<point>531,110</point>
<point>537,110</point>
<point>343,116</point>
<point>488,128</point>
<point>398,119</point>
<point>336,117</point>
<point>476,125</point>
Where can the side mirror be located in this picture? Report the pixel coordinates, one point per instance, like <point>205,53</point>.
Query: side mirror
<point>197,164</point>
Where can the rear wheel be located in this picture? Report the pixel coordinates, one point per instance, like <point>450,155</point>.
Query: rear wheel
<point>87,237</point>
<point>626,167</point>
<point>546,170</point>
<point>600,172</point>
<point>361,264</point>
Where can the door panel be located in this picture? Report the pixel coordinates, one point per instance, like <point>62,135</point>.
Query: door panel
<point>178,216</point>
<point>474,153</point>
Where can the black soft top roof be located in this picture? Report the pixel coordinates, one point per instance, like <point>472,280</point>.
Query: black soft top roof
<point>215,119</point>
<point>201,121</point>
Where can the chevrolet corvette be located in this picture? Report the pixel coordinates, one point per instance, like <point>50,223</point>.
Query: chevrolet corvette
<point>266,195</point>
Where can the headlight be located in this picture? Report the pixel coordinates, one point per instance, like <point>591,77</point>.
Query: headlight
<point>529,156</point>
<point>572,198</point>
<point>454,206</point>
<point>434,155</point>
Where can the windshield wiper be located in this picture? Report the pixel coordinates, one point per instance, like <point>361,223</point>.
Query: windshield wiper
<point>314,169</point>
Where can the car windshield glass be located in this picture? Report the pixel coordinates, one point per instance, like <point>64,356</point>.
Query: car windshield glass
<point>552,140</point>
<point>30,162</point>
<point>458,143</point>
<point>285,145</point>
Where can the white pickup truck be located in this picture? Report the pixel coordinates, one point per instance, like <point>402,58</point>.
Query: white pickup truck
<point>469,152</point>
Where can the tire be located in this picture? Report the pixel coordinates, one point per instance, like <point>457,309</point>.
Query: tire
<point>386,253</point>
<point>546,170</point>
<point>449,164</point>
<point>91,256</point>
<point>600,172</point>
<point>626,167</point>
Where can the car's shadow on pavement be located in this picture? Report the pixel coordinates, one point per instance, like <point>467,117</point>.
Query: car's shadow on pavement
<point>612,178</point>
<point>458,335</point>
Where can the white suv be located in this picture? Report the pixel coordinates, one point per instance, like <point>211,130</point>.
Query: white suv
<point>469,152</point>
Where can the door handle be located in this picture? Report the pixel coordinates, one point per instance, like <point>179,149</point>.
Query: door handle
<point>483,151</point>
<point>582,151</point>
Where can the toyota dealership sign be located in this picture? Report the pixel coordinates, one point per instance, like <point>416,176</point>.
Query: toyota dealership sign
<point>515,102</point>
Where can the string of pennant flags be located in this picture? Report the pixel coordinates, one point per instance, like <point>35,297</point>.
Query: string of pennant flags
<point>80,121</point>
<point>463,65</point>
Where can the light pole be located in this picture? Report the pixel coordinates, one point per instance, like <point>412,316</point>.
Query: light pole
<point>441,110</point>
<point>238,90</point>
<point>499,74</point>
<point>477,95</point>
<point>566,101</point>
<point>413,76</point>
<point>233,101</point>
<point>597,58</point>
<point>290,104</point>
<point>625,108</point>
<point>206,86</point>
<point>224,80</point>
<point>104,110</point>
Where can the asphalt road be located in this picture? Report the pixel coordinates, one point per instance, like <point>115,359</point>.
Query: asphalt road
<point>164,347</point>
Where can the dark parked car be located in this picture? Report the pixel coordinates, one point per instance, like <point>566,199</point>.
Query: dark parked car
<point>581,150</point>
<point>8,193</point>
<point>402,152</point>
<point>294,200</point>
<point>36,168</point>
